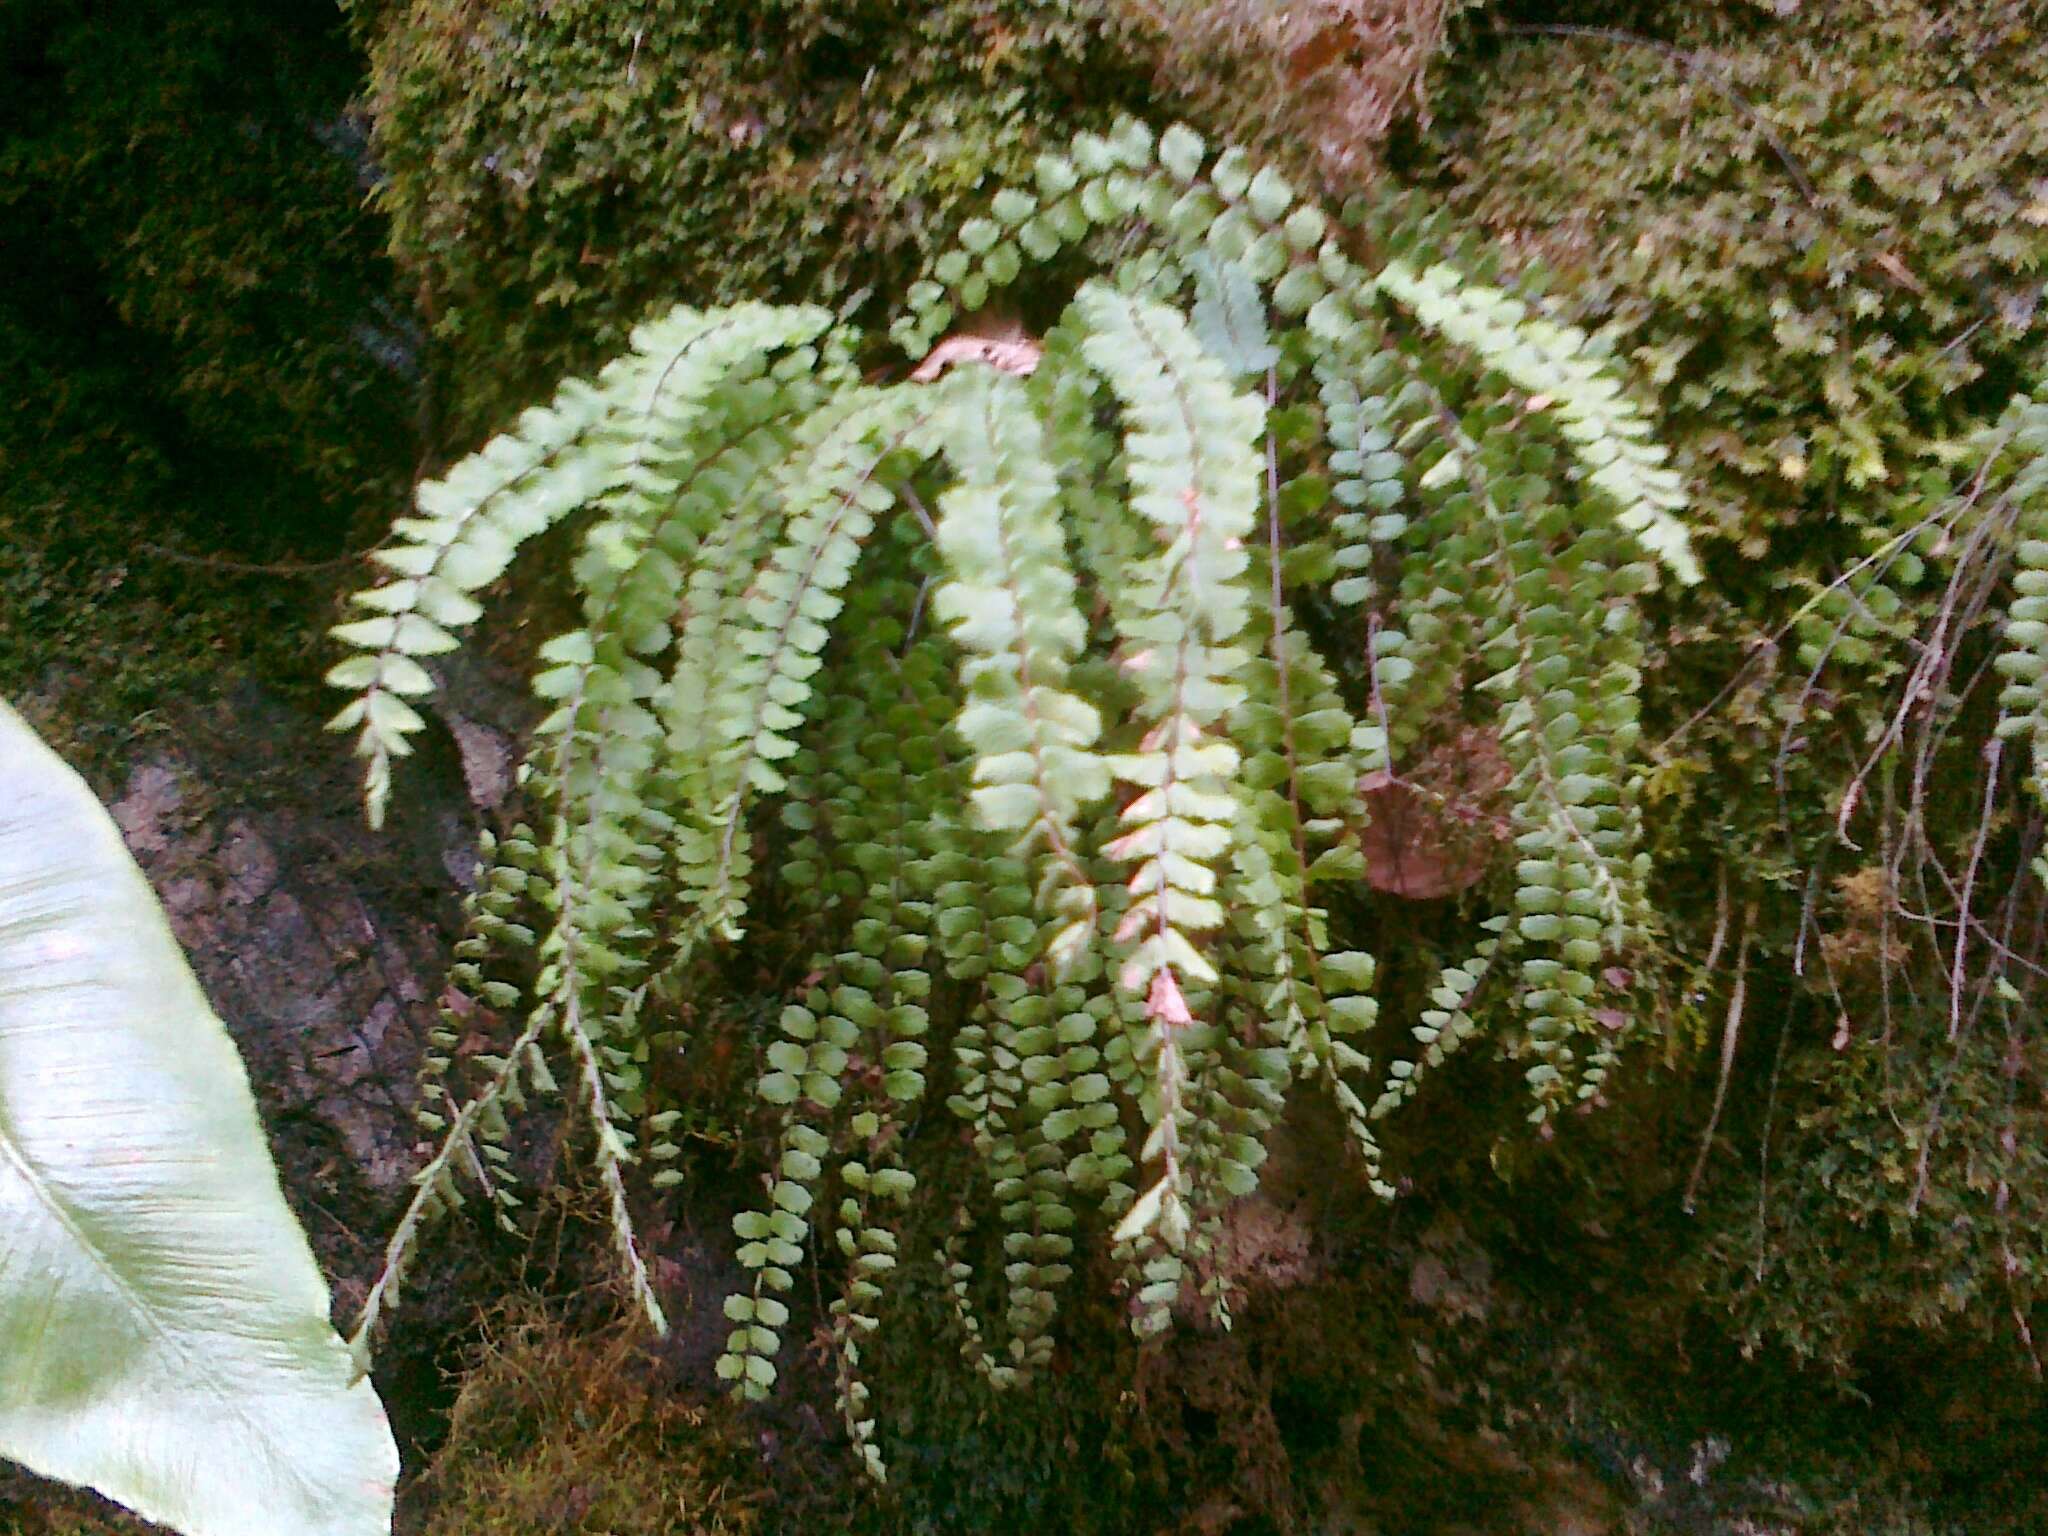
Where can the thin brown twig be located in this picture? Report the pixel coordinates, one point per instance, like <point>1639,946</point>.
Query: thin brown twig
<point>1763,1146</point>
<point>251,567</point>
<point>1731,1036</point>
<point>1720,938</point>
<point>1930,669</point>
<point>1930,1132</point>
<point>1993,751</point>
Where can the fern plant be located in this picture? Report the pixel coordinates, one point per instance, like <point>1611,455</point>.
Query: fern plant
<point>1042,695</point>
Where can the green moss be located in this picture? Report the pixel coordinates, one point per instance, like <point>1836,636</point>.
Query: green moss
<point>558,1431</point>
<point>555,169</point>
<point>203,318</point>
<point>1820,239</point>
<point>1908,1194</point>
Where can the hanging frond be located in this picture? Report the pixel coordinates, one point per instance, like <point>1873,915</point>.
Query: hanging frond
<point>1611,436</point>
<point>1190,460</point>
<point>1010,607</point>
<point>595,441</point>
<point>833,492</point>
<point>2019,448</point>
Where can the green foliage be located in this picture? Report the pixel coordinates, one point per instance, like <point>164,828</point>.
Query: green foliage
<point>1909,1196</point>
<point>553,171</point>
<point>164,1325</point>
<point>1098,892</point>
<point>1819,239</point>
<point>1825,301</point>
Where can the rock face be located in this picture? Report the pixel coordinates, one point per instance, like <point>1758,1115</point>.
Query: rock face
<point>324,980</point>
<point>322,946</point>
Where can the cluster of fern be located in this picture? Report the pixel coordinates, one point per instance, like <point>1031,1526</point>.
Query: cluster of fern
<point>1043,694</point>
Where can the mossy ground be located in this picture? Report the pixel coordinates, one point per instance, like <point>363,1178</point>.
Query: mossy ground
<point>561,1429</point>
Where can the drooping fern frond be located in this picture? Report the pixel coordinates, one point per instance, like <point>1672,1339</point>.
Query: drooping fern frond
<point>2018,446</point>
<point>1010,609</point>
<point>1302,761</point>
<point>1559,637</point>
<point>1445,1025</point>
<point>1057,788</point>
<point>1194,476</point>
<point>833,494</point>
<point>852,1054</point>
<point>594,442</point>
<point>1611,436</point>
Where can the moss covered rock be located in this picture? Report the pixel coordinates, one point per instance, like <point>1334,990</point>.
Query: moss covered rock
<point>555,169</point>
<point>1821,237</point>
<point>1820,233</point>
<point>559,1430</point>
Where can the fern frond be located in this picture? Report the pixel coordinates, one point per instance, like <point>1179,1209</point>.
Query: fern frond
<point>734,540</point>
<point>1568,732</point>
<point>614,1148</point>
<point>435,1187</point>
<point>1024,1064</point>
<point>1108,542</point>
<point>1363,423</point>
<point>1446,1024</point>
<point>833,491</point>
<point>593,441</point>
<point>1239,1075</point>
<point>1194,476</point>
<point>1010,609</point>
<point>871,1250</point>
<point>1611,436</point>
<point>853,1057</point>
<point>2017,452</point>
<point>1297,783</point>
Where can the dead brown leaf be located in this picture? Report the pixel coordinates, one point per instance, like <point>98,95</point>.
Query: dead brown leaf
<point>1433,830</point>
